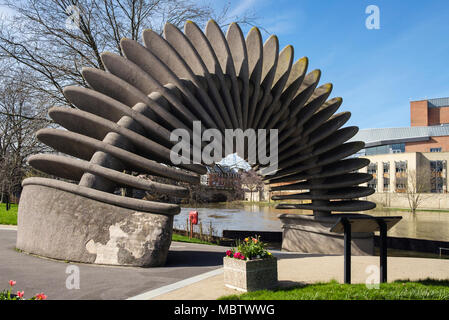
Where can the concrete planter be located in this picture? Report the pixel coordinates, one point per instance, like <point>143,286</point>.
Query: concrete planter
<point>250,275</point>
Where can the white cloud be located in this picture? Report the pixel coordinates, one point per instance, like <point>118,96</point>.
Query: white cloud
<point>284,23</point>
<point>5,11</point>
<point>242,7</point>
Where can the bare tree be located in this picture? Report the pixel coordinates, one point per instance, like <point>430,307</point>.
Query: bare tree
<point>42,52</point>
<point>22,112</point>
<point>41,35</point>
<point>415,188</point>
<point>252,182</point>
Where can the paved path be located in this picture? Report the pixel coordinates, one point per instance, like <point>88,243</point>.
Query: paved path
<point>192,272</point>
<point>295,269</point>
<point>34,274</point>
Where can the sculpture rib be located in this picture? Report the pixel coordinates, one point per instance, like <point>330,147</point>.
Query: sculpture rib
<point>123,122</point>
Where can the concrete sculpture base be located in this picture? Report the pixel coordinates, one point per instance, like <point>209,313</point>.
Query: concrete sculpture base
<point>61,225</point>
<point>309,234</point>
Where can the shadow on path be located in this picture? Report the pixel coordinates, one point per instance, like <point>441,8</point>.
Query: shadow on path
<point>194,259</point>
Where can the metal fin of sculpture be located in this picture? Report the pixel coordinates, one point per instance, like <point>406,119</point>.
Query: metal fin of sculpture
<point>123,123</point>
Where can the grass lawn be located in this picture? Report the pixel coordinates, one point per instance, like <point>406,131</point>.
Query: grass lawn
<point>10,216</point>
<point>180,238</point>
<point>399,290</point>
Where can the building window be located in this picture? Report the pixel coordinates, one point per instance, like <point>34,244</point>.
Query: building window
<point>401,176</point>
<point>401,166</point>
<point>437,179</point>
<point>372,168</point>
<point>398,148</point>
<point>435,149</point>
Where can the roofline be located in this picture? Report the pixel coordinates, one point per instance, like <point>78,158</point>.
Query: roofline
<point>394,141</point>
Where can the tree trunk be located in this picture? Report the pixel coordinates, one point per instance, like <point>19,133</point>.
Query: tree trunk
<point>8,205</point>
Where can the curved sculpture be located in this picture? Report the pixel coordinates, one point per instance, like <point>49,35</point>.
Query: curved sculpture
<point>122,123</point>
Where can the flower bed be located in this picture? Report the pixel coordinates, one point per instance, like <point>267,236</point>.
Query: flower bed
<point>249,249</point>
<point>19,295</point>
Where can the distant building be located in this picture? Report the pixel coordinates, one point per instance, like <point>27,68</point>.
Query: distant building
<point>220,176</point>
<point>391,172</point>
<point>429,131</point>
<point>419,152</point>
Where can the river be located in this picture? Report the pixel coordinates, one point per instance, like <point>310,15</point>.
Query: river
<point>255,217</point>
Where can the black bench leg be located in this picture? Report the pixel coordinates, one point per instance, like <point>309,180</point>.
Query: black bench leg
<point>383,252</point>
<point>347,252</point>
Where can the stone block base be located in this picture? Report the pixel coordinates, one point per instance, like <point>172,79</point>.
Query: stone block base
<point>250,275</point>
<point>309,234</point>
<point>64,226</point>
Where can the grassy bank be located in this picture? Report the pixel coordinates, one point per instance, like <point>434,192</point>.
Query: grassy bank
<point>181,238</point>
<point>399,290</point>
<point>380,208</point>
<point>8,217</point>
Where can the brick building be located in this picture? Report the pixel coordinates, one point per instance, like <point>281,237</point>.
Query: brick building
<point>419,152</point>
<point>428,113</point>
<point>220,176</point>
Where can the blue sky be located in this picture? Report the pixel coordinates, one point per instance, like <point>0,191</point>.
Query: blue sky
<point>377,72</point>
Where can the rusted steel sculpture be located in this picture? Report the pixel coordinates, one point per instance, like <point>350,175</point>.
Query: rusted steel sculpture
<point>122,123</point>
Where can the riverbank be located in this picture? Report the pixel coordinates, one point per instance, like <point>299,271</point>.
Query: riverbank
<point>382,208</point>
<point>272,203</point>
<point>379,207</point>
<point>428,201</point>
<point>262,216</point>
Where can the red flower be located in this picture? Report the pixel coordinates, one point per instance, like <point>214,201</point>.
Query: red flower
<point>237,255</point>
<point>242,257</point>
<point>20,294</point>
<point>229,253</point>
<point>40,296</point>
<point>12,283</point>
